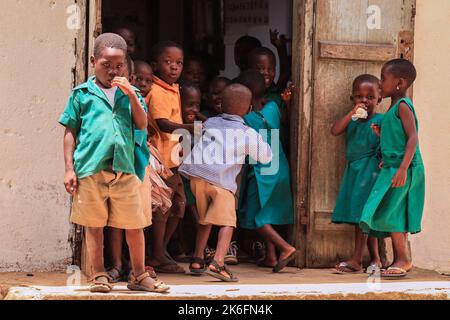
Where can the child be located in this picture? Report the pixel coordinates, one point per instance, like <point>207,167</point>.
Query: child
<point>213,100</point>
<point>266,199</point>
<point>362,169</point>
<point>395,205</point>
<point>165,112</point>
<point>263,60</point>
<point>213,180</point>
<point>244,45</point>
<point>194,72</point>
<point>130,37</point>
<point>144,77</point>
<point>99,157</point>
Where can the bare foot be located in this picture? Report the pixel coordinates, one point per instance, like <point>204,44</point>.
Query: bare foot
<point>405,265</point>
<point>287,253</point>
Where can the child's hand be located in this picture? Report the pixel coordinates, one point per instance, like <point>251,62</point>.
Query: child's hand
<point>399,179</point>
<point>286,95</point>
<point>71,182</point>
<point>380,166</point>
<point>276,40</point>
<point>376,129</point>
<point>124,85</point>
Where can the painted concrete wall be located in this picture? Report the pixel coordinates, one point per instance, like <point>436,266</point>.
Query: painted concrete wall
<point>36,58</point>
<point>431,248</point>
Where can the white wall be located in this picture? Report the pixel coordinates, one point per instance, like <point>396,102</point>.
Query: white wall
<point>36,58</point>
<point>280,17</point>
<point>431,248</point>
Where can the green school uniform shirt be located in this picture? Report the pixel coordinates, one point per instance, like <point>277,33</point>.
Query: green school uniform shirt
<point>105,133</point>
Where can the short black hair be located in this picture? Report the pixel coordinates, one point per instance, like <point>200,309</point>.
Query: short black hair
<point>220,79</point>
<point>188,86</point>
<point>109,40</point>
<point>159,48</point>
<point>140,63</point>
<point>261,51</point>
<point>252,42</point>
<point>253,80</point>
<point>402,68</point>
<point>365,78</point>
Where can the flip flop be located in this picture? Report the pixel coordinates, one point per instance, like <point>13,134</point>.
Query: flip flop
<point>169,267</point>
<point>283,263</point>
<point>402,273</point>
<point>217,273</point>
<point>345,265</point>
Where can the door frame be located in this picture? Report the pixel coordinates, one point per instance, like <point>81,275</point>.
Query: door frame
<point>301,121</point>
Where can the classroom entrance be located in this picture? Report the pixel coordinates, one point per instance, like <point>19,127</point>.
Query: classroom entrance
<point>333,41</point>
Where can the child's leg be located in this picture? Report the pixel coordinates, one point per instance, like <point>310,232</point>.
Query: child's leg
<point>203,232</point>
<point>355,262</point>
<point>94,243</point>
<point>115,240</point>
<point>372,245</point>
<point>271,235</point>
<point>223,243</point>
<point>171,227</point>
<point>136,244</point>
<point>270,259</point>
<point>401,260</point>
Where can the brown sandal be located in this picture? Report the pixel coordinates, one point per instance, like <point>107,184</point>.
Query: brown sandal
<point>99,286</point>
<point>134,284</point>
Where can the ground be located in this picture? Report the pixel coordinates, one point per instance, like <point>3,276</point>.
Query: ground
<point>292,283</point>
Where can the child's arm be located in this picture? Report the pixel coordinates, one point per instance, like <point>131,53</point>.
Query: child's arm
<point>259,150</point>
<point>280,42</point>
<point>70,178</point>
<point>286,96</point>
<point>339,126</point>
<point>137,111</point>
<point>409,125</point>
<point>168,126</point>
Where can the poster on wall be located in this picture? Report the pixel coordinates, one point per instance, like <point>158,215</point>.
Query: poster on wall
<point>246,13</point>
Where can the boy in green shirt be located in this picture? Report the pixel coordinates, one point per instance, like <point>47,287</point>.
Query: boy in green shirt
<point>100,118</point>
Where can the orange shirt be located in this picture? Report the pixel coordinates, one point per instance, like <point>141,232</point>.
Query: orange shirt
<point>164,102</point>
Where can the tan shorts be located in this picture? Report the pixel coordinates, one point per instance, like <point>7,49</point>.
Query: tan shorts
<point>178,199</point>
<point>110,199</point>
<point>215,205</point>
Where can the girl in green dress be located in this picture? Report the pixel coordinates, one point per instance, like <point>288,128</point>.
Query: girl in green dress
<point>362,168</point>
<point>395,205</point>
<point>265,197</point>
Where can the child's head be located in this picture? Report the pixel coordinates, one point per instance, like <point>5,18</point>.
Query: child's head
<point>194,71</point>
<point>236,99</point>
<point>191,98</point>
<point>253,80</point>
<point>130,72</point>
<point>242,48</point>
<point>144,77</point>
<point>108,59</point>
<point>264,60</point>
<point>396,77</point>
<point>167,61</point>
<point>366,90</point>
<point>214,101</point>
<point>128,34</point>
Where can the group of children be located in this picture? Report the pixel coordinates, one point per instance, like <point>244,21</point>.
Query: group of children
<point>127,167</point>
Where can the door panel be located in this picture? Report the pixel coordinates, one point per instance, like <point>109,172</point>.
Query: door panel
<point>344,47</point>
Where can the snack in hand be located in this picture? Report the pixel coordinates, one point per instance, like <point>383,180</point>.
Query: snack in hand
<point>360,114</point>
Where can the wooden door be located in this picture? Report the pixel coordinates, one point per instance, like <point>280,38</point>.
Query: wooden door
<point>347,38</point>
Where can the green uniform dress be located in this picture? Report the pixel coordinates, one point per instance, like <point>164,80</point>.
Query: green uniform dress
<point>395,209</point>
<point>274,94</point>
<point>361,172</point>
<point>266,198</point>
